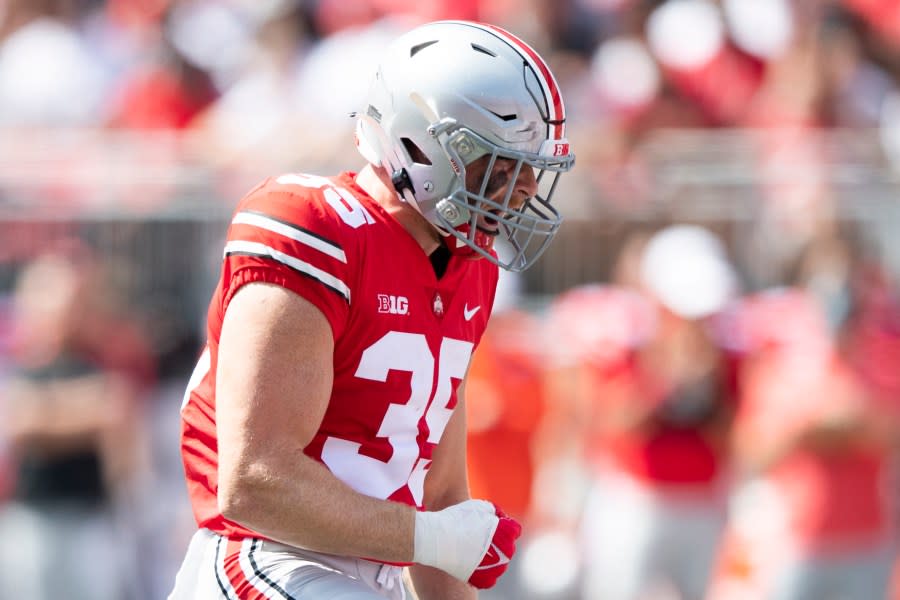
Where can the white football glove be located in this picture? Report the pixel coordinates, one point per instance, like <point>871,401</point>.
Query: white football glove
<point>472,541</point>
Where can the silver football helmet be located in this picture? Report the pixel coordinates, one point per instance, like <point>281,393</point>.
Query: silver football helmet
<point>448,93</point>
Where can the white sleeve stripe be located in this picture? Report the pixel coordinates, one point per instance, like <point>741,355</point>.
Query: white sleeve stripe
<point>257,249</point>
<point>201,370</point>
<point>290,231</point>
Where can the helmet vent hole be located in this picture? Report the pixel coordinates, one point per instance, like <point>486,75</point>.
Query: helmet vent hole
<point>419,47</point>
<point>483,50</point>
<point>415,153</point>
<point>509,117</point>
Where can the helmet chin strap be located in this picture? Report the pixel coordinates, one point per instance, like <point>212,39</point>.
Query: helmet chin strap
<point>403,186</point>
<point>393,163</point>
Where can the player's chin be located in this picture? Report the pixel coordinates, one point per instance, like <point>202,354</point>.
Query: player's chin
<point>484,239</point>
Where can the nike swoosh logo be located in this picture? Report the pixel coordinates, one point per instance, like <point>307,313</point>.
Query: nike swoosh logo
<point>468,314</point>
<point>498,557</point>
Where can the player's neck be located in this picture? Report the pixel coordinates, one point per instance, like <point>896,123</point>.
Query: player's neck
<point>377,184</point>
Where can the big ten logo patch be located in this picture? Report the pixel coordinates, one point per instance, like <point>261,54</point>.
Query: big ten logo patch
<point>560,149</point>
<point>393,305</point>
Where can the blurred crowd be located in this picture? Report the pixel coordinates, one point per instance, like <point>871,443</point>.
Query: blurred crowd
<point>276,79</point>
<point>712,412</point>
<point>689,437</point>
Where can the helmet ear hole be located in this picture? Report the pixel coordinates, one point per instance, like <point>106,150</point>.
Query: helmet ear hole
<point>415,153</point>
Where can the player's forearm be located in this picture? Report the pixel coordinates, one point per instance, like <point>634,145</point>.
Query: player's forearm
<point>434,584</point>
<point>303,504</point>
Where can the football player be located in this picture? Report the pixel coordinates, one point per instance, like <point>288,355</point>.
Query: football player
<point>323,429</point>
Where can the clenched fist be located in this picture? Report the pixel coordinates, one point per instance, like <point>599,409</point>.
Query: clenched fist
<point>473,541</point>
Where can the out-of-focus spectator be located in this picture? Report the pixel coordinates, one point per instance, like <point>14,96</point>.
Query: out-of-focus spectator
<point>505,388</point>
<point>322,102</point>
<point>817,521</point>
<point>655,394</point>
<point>334,16</point>
<point>882,15</point>
<point>856,87</point>
<point>71,422</point>
<point>259,116</point>
<point>700,60</point>
<point>505,383</point>
<point>48,76</point>
<point>592,333</point>
<point>167,93</point>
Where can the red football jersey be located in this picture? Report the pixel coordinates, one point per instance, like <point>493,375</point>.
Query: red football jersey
<point>403,338</point>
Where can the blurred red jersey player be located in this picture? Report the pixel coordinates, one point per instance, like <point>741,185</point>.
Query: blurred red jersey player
<point>811,439</point>
<point>654,391</point>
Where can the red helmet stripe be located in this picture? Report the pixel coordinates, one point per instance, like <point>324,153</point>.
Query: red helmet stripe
<point>551,88</point>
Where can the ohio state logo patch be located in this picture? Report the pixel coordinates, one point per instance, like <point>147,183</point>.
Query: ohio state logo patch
<point>438,305</point>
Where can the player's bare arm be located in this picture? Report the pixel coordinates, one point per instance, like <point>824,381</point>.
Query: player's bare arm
<point>274,381</point>
<point>447,484</point>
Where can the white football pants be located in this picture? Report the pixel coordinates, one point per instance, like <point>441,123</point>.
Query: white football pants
<point>216,568</point>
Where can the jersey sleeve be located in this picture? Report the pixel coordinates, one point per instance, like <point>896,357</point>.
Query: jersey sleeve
<point>286,235</point>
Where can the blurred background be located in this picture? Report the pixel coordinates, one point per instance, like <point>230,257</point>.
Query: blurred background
<point>694,394</point>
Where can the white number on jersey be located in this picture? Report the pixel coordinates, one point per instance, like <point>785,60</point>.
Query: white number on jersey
<point>409,352</point>
<point>341,200</point>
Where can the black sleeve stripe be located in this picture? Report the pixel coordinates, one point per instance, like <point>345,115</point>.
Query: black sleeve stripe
<point>240,248</point>
<point>291,231</point>
<point>292,226</point>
